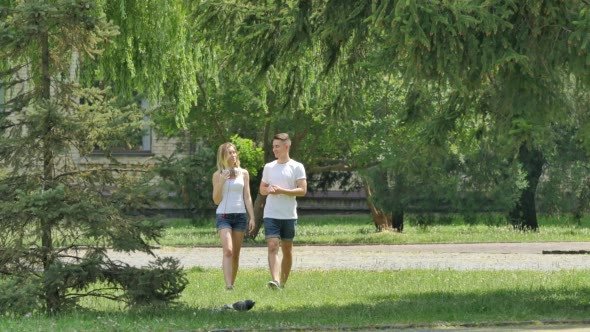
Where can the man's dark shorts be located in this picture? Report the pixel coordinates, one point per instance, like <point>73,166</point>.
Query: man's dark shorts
<point>283,229</point>
<point>234,221</point>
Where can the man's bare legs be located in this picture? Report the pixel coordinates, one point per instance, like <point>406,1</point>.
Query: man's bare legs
<point>280,268</point>
<point>273,258</point>
<point>287,262</point>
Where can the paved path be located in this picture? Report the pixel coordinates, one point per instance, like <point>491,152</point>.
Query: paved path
<point>476,256</point>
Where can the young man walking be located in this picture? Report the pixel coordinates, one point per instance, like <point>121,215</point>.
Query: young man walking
<point>282,180</point>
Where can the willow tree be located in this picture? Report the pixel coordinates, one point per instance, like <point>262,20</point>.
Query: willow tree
<point>236,96</point>
<point>151,55</point>
<point>514,60</point>
<point>209,87</point>
<point>58,217</point>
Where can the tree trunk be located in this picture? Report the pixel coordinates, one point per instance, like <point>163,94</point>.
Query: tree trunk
<point>381,219</point>
<point>384,220</point>
<point>397,220</point>
<point>259,203</point>
<point>260,200</point>
<point>524,215</point>
<point>581,202</point>
<point>51,293</point>
<point>46,241</point>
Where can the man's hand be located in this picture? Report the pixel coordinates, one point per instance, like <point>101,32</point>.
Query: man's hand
<point>270,189</point>
<point>274,189</point>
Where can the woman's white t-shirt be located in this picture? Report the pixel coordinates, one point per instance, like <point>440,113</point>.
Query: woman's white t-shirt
<point>285,175</point>
<point>232,196</point>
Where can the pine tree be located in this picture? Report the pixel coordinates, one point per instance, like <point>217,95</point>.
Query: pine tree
<point>57,218</point>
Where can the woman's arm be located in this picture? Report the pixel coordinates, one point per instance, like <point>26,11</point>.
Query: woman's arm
<point>218,181</point>
<point>248,201</point>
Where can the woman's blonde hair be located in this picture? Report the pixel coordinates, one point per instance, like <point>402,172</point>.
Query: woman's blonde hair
<point>222,154</point>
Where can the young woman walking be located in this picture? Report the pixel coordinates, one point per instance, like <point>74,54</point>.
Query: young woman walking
<point>231,193</point>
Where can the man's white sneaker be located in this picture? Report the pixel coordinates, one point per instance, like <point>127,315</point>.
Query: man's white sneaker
<point>273,285</point>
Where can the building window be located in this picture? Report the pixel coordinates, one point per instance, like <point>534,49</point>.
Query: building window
<point>146,139</point>
<point>139,145</point>
<point>143,143</point>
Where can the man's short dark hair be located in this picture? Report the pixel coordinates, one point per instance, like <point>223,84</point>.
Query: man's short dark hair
<point>283,137</point>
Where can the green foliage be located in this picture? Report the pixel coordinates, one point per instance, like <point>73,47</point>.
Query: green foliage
<point>290,95</point>
<point>422,220</point>
<point>55,200</point>
<point>251,157</point>
<point>425,220</point>
<point>151,54</point>
<point>160,283</point>
<point>188,180</point>
<point>19,296</point>
<point>565,189</point>
<point>493,76</point>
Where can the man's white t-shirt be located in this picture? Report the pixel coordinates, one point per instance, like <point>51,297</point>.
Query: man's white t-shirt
<point>280,206</point>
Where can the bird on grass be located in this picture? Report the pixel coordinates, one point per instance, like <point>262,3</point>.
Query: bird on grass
<point>240,305</point>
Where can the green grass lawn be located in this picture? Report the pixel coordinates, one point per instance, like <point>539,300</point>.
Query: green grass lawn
<point>350,298</point>
<point>359,229</point>
<point>341,299</point>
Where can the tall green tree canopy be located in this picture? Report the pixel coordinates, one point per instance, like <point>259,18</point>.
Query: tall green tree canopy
<point>515,62</point>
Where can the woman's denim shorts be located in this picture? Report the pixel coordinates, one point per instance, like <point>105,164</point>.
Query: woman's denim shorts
<point>234,221</point>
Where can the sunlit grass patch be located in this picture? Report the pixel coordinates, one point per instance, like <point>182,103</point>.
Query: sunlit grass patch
<point>340,299</point>
<point>359,229</point>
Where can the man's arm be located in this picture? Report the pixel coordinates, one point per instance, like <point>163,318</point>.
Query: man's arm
<point>301,189</point>
<point>264,187</point>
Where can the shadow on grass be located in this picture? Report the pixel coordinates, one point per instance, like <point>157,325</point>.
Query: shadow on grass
<point>437,308</point>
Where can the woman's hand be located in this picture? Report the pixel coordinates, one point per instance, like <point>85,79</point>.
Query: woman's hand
<point>224,176</point>
<point>218,181</point>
